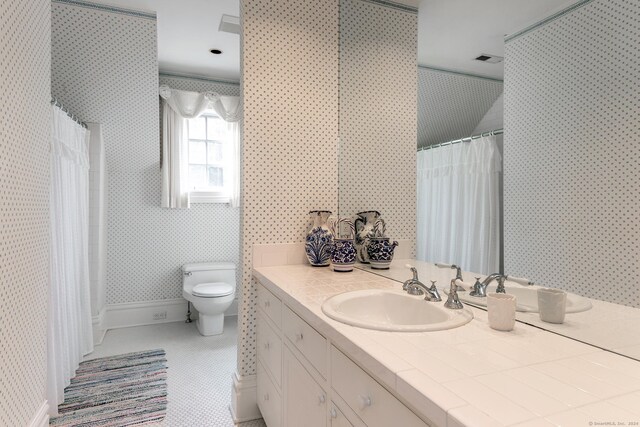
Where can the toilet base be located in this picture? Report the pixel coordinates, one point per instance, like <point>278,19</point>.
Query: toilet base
<point>212,324</point>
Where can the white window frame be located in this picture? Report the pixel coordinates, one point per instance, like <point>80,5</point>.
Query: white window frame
<point>202,196</point>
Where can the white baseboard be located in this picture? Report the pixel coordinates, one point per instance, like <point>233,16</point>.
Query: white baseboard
<point>41,418</point>
<point>244,401</point>
<point>151,312</point>
<point>145,313</point>
<point>98,324</point>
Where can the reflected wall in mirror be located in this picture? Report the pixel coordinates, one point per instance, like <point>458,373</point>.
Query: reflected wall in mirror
<point>570,153</point>
<point>378,88</point>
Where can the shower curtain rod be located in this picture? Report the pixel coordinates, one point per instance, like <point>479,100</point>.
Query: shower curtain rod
<point>55,103</point>
<point>467,139</point>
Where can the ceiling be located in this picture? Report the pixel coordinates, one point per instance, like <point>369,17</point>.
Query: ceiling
<point>187,30</point>
<point>450,33</point>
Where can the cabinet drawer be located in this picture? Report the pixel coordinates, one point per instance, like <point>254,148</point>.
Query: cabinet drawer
<point>306,339</point>
<point>270,305</point>
<point>337,417</point>
<point>369,400</point>
<point>269,400</point>
<point>269,347</point>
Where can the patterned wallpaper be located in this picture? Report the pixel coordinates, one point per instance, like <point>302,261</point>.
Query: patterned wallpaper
<point>493,119</point>
<point>25,111</point>
<point>290,90</point>
<point>105,70</point>
<point>450,105</point>
<point>293,108</point>
<point>572,152</point>
<point>377,154</point>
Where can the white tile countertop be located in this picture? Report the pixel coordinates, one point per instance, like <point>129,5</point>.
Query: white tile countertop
<point>593,326</point>
<point>471,375</point>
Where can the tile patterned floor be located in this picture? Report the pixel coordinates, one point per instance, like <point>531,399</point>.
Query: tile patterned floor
<point>199,374</point>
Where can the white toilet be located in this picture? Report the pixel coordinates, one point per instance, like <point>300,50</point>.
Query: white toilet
<point>211,288</point>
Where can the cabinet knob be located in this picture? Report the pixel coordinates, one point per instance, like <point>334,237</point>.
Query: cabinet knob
<point>333,413</point>
<point>365,401</point>
<point>322,398</point>
<point>266,397</point>
<point>299,336</point>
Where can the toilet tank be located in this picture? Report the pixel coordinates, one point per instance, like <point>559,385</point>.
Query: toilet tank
<point>207,272</point>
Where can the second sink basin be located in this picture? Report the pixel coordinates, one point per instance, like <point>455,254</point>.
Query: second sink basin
<point>392,310</point>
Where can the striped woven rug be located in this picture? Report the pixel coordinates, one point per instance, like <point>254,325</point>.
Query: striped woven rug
<point>116,391</point>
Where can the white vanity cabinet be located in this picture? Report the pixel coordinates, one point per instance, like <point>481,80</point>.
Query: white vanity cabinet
<point>269,350</point>
<point>301,376</point>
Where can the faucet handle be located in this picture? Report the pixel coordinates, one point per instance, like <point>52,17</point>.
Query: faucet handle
<point>453,302</point>
<point>453,266</point>
<point>434,291</point>
<point>478,289</point>
<point>443,265</point>
<point>520,280</point>
<point>462,286</point>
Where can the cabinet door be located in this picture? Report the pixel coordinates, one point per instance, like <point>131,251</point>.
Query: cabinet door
<point>305,402</point>
<point>337,417</point>
<point>268,398</point>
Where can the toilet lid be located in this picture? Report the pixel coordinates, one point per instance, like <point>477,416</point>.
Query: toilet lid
<point>210,290</point>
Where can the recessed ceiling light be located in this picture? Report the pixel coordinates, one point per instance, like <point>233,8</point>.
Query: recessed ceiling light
<point>216,51</point>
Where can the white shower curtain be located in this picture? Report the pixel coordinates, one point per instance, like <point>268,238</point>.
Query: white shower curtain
<point>458,205</point>
<point>70,335</point>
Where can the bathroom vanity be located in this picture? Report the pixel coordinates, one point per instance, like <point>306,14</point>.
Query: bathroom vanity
<point>315,371</point>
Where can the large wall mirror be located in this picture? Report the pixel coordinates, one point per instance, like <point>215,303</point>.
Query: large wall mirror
<point>544,184</point>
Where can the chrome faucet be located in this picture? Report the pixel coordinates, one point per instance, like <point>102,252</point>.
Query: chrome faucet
<point>453,302</point>
<point>480,288</point>
<point>458,273</point>
<point>416,287</point>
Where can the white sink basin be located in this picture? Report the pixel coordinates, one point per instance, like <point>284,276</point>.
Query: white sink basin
<point>526,298</point>
<point>393,310</point>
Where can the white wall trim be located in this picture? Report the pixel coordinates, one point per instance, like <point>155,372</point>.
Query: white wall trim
<point>98,324</point>
<point>244,401</point>
<point>142,313</point>
<point>41,418</point>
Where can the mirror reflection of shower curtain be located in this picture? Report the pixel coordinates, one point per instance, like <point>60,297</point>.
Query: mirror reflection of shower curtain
<point>458,205</point>
<point>70,334</point>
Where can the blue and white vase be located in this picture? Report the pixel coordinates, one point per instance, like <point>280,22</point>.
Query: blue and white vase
<point>380,251</point>
<point>319,242</point>
<point>343,257</point>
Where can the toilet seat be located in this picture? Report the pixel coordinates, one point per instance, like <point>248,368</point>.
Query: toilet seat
<point>212,290</point>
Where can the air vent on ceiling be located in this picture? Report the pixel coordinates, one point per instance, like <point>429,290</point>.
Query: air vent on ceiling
<point>229,24</point>
<point>491,59</point>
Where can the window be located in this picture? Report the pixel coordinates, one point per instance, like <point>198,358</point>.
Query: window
<point>209,158</point>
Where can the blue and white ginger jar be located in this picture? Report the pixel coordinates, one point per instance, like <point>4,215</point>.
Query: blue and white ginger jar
<point>343,257</point>
<point>380,251</point>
